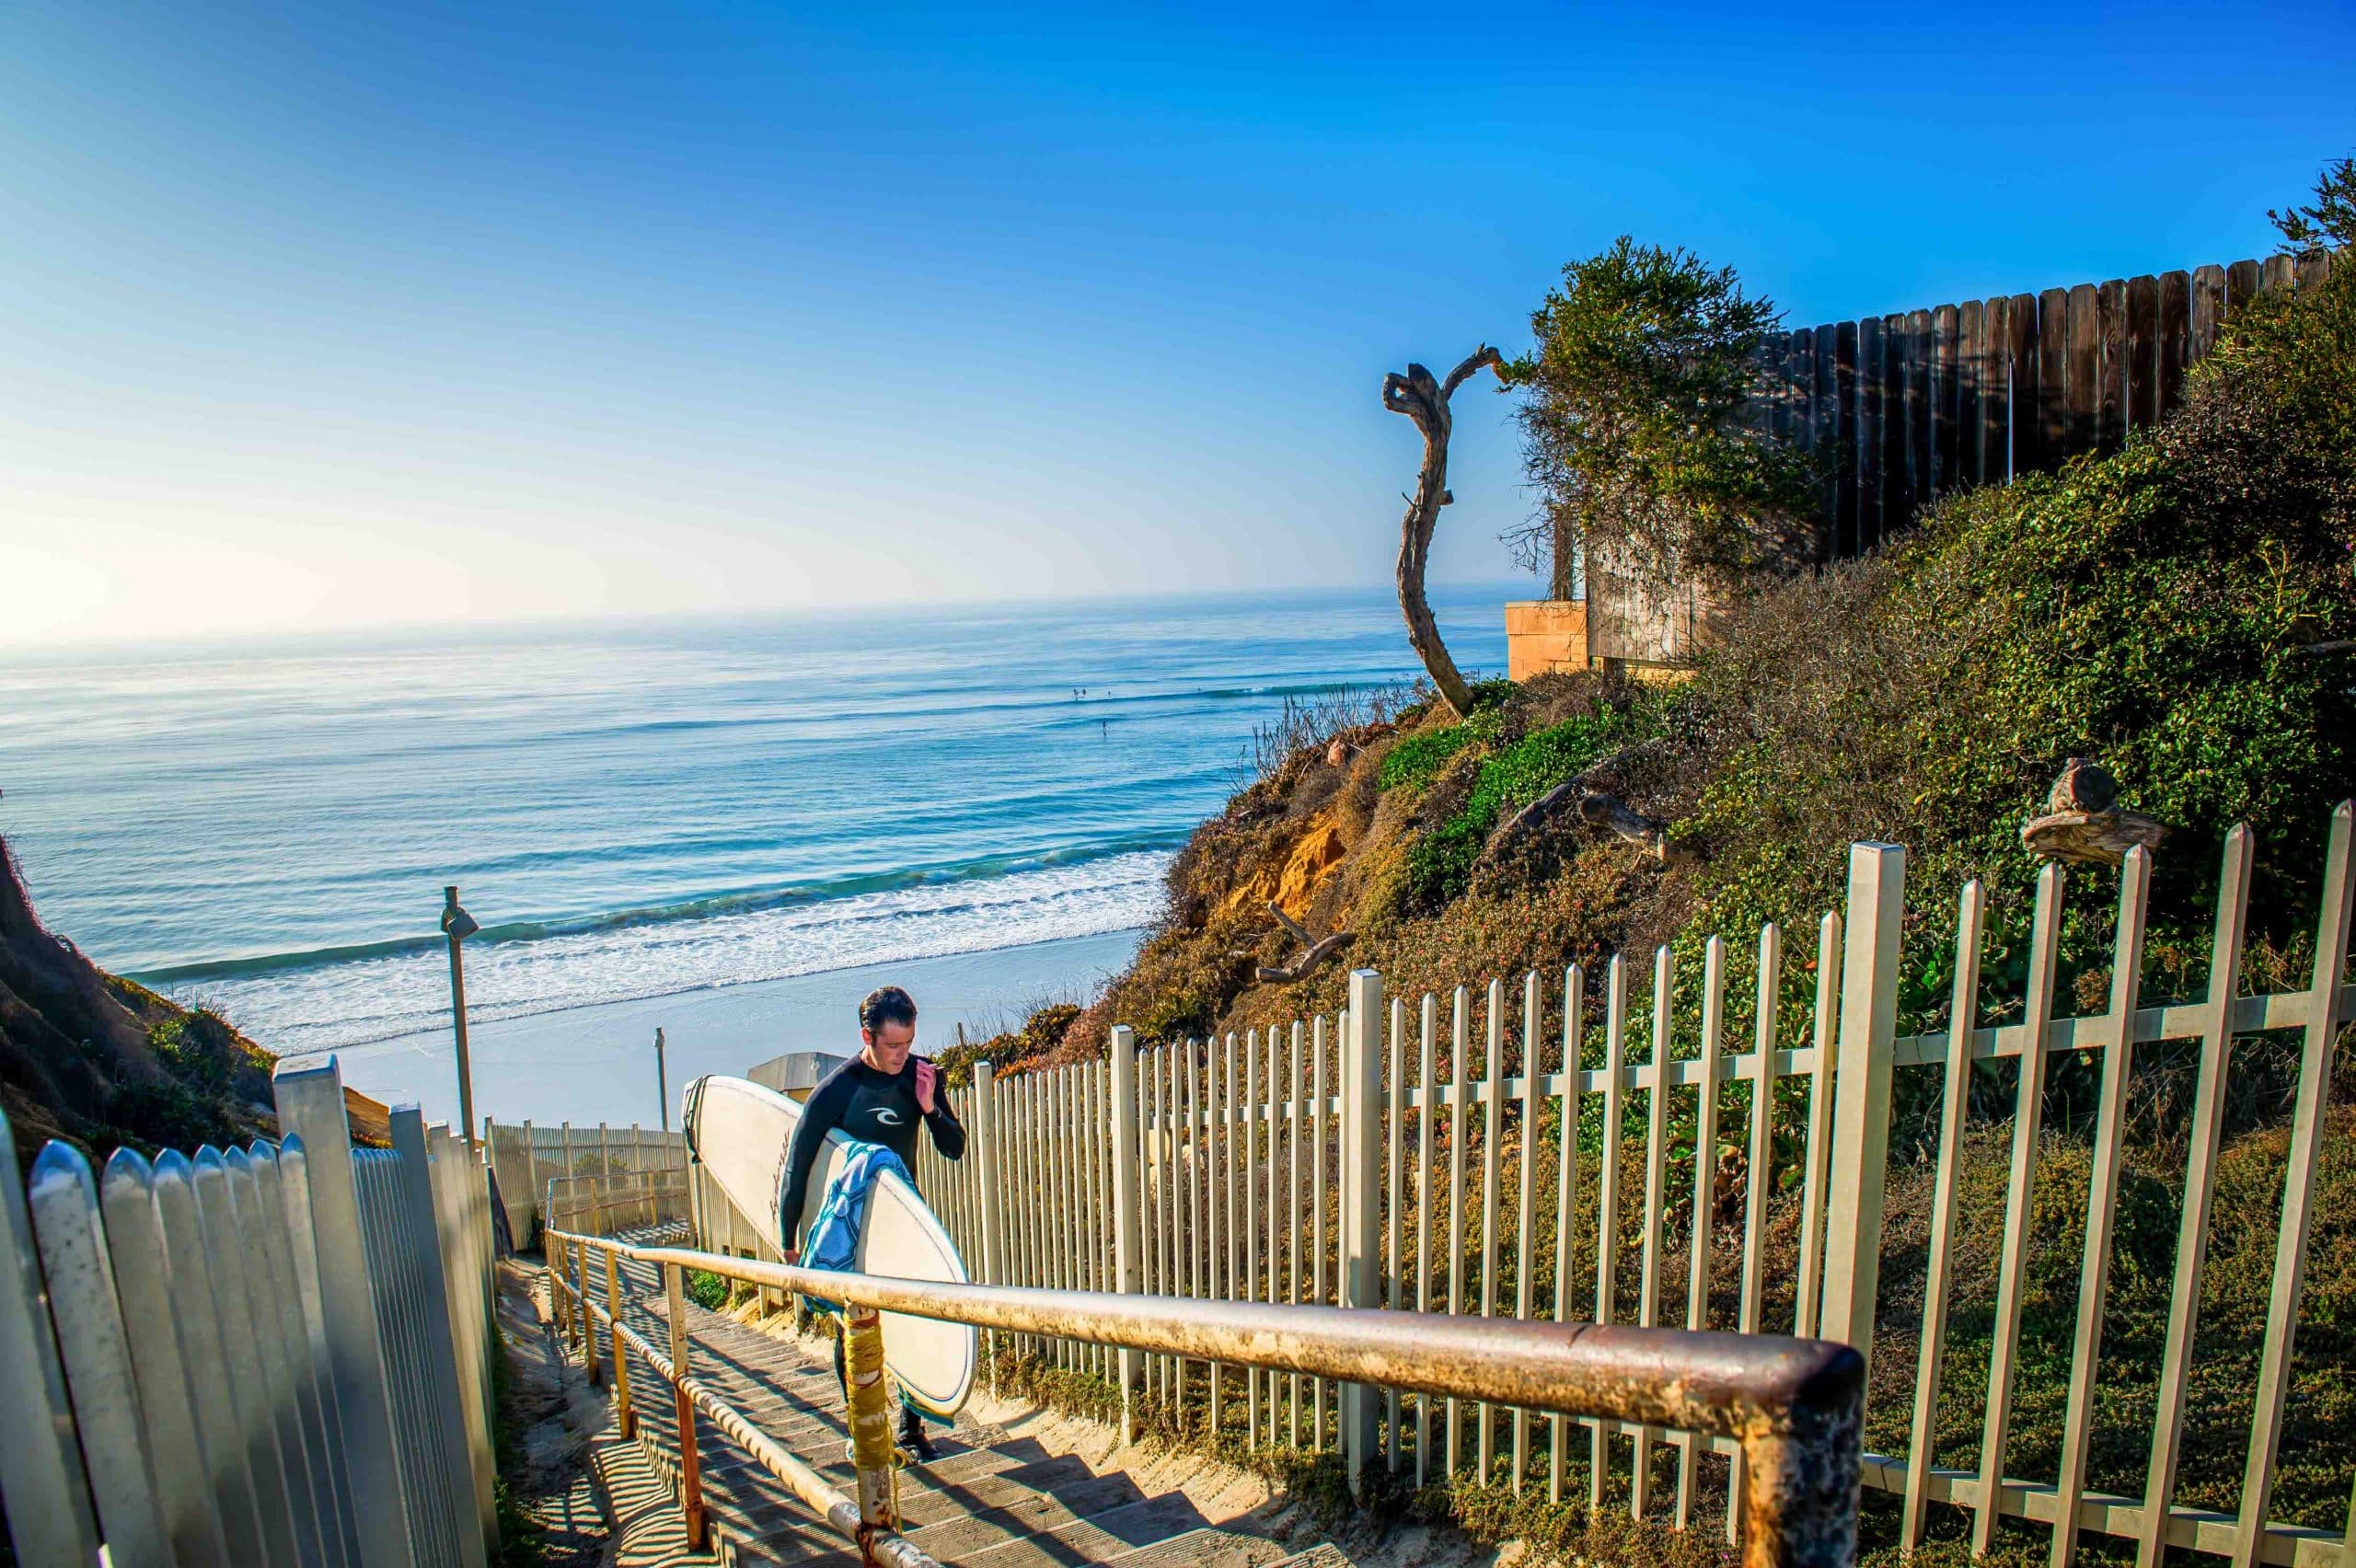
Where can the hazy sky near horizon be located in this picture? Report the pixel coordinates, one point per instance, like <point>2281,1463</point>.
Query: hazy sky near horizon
<point>328,315</point>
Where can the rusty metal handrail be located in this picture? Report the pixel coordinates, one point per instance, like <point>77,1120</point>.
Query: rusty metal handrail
<point>578,1313</point>
<point>1795,1406</point>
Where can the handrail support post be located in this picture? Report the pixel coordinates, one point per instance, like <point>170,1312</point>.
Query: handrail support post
<point>690,1460</point>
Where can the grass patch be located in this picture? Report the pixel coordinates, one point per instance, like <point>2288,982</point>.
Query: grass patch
<point>1440,862</point>
<point>522,1539</point>
<point>707,1290</point>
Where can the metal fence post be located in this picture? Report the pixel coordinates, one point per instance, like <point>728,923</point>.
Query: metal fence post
<point>1127,1255</point>
<point>310,1106</point>
<point>1860,1093</point>
<point>40,1464</point>
<point>1362,1199</point>
<point>690,1460</point>
<point>464,1424</point>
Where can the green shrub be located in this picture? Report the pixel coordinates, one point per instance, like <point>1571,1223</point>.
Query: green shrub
<point>1415,760</point>
<point>1636,411</point>
<point>2178,610</point>
<point>707,1289</point>
<point>1441,863</point>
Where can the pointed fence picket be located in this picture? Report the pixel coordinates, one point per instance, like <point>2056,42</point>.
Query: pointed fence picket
<point>277,1354</point>
<point>1427,1164</point>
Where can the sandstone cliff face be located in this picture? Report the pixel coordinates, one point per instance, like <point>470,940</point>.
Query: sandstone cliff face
<point>101,1062</point>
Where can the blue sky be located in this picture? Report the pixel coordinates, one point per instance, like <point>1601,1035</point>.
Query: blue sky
<point>327,316</point>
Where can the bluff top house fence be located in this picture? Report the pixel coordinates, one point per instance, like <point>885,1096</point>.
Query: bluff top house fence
<point>1334,1160</point>
<point>1905,408</point>
<point>524,1158</point>
<point>274,1356</point>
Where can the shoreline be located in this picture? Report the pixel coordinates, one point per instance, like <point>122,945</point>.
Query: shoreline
<point>595,1062</point>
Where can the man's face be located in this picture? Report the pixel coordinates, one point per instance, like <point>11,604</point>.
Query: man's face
<point>887,1048</point>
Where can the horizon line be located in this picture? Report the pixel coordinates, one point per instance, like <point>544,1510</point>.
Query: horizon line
<point>49,646</point>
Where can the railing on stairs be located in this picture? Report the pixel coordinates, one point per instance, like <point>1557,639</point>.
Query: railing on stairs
<point>1791,1406</point>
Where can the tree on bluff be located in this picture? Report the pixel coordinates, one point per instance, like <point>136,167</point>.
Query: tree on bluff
<point>1639,396</point>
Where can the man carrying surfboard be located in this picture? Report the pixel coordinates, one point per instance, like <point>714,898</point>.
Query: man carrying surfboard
<point>879,1096</point>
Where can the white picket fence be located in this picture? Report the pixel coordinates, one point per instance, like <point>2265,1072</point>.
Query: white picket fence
<point>1328,1160</point>
<point>526,1157</point>
<point>276,1356</point>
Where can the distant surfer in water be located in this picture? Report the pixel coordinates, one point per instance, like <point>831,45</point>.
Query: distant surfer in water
<point>879,1097</point>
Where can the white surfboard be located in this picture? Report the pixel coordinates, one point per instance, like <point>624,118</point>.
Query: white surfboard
<point>742,1133</point>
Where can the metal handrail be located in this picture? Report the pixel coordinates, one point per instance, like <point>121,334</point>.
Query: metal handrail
<point>1795,1406</point>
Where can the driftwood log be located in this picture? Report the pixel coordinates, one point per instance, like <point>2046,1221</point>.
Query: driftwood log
<point>1316,950</point>
<point>1425,400</point>
<point>1597,807</point>
<point>2084,821</point>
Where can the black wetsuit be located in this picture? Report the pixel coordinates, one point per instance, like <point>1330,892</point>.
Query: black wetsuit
<point>878,1108</point>
<point>872,1107</point>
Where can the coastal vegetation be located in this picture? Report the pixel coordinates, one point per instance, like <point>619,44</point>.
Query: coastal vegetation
<point>104,1062</point>
<point>1636,396</point>
<point>2182,610</point>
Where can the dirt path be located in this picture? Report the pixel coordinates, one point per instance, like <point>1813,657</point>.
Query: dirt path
<point>547,1418</point>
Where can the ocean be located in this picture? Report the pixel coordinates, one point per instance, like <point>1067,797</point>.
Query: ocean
<point>648,810</point>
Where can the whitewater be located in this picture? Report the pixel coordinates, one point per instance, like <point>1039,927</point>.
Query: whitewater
<point>641,810</point>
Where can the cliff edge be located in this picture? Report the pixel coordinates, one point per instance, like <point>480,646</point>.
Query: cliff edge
<point>102,1061</point>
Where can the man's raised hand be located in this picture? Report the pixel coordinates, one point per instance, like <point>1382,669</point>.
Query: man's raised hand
<point>926,1074</point>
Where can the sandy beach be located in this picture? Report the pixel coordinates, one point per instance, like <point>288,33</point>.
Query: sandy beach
<point>597,1062</point>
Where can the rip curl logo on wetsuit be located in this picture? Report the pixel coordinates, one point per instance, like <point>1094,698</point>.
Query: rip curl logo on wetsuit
<point>888,1116</point>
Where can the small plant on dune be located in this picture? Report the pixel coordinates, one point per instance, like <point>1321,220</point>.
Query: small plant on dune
<point>1441,863</point>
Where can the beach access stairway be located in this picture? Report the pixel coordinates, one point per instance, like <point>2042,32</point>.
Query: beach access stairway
<point>990,1500</point>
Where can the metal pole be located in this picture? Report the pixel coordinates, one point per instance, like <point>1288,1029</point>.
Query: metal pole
<point>661,1085</point>
<point>458,1015</point>
<point>1362,1201</point>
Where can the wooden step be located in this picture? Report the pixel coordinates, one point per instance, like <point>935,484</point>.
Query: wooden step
<point>1215,1548</point>
<point>1325,1554</point>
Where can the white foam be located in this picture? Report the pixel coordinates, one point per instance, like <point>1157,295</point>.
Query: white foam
<point>356,1001</point>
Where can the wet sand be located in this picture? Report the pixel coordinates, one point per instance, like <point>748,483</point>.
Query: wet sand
<point>596,1064</point>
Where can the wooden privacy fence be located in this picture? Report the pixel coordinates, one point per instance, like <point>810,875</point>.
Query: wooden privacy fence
<point>1905,407</point>
<point>1900,409</point>
<point>1415,1157</point>
<point>276,1356</point>
<point>525,1158</point>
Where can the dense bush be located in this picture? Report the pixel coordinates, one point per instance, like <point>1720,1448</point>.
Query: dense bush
<point>1415,759</point>
<point>2178,610</point>
<point>1636,425</point>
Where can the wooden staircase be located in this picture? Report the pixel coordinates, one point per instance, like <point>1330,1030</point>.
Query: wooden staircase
<point>990,1500</point>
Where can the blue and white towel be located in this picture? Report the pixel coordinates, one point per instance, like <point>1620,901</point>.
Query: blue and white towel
<point>834,1235</point>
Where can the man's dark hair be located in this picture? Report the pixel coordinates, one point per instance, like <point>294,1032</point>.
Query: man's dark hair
<point>887,1004</point>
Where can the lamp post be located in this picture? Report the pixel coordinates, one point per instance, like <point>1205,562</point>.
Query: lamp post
<point>662,1089</point>
<point>457,925</point>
